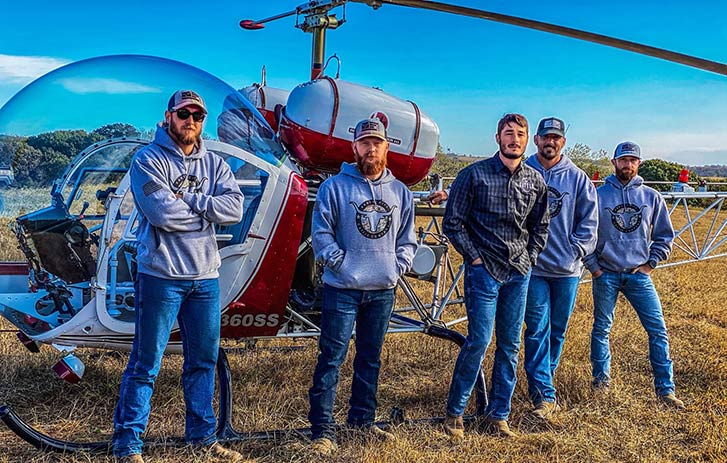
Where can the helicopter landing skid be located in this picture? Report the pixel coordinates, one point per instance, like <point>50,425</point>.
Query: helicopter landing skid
<point>225,431</point>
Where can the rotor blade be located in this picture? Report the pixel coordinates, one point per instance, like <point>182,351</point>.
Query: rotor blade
<point>250,24</point>
<point>668,55</point>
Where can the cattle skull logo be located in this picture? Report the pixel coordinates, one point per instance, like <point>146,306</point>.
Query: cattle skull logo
<point>555,201</point>
<point>626,217</point>
<point>373,218</point>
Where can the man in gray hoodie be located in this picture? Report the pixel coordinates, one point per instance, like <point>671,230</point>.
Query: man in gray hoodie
<point>363,236</point>
<point>634,235</point>
<point>181,191</point>
<point>554,282</point>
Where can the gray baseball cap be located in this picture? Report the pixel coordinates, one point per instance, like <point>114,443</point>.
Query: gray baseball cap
<point>369,128</point>
<point>182,98</point>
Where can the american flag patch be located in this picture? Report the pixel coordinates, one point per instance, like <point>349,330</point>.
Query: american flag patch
<point>151,187</point>
<point>369,125</point>
<point>552,124</point>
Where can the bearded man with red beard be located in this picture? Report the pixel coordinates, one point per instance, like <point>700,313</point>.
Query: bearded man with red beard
<point>363,237</point>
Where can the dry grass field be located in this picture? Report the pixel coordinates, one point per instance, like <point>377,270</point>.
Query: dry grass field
<point>627,424</point>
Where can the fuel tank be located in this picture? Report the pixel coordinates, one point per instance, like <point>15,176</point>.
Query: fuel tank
<point>319,118</point>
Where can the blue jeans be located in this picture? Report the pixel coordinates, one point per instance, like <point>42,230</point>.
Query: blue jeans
<point>489,304</point>
<point>195,304</point>
<point>370,311</point>
<point>549,306</point>
<point>640,292</point>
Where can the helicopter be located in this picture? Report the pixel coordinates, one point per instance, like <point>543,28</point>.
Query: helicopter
<point>76,287</point>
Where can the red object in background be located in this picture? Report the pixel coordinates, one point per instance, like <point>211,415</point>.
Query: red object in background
<point>595,176</point>
<point>684,176</point>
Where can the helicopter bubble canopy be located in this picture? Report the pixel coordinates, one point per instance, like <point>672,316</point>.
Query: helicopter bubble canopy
<point>123,95</point>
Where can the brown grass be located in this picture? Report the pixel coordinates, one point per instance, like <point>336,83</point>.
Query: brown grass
<point>270,386</point>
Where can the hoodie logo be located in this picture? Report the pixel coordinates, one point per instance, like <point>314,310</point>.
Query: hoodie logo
<point>555,201</point>
<point>626,217</point>
<point>190,183</point>
<point>373,218</point>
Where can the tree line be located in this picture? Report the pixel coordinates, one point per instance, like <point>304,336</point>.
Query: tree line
<point>589,160</point>
<point>39,159</point>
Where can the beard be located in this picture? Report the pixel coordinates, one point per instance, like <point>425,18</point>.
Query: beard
<point>370,166</point>
<point>625,174</point>
<point>509,154</point>
<point>186,137</point>
<point>549,152</point>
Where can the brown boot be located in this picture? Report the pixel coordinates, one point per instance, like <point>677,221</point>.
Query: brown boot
<point>381,435</point>
<point>222,454</point>
<point>499,428</point>
<point>135,458</point>
<point>671,400</point>
<point>324,446</point>
<point>454,427</point>
<point>543,409</point>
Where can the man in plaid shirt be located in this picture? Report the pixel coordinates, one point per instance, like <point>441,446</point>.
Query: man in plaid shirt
<point>497,218</point>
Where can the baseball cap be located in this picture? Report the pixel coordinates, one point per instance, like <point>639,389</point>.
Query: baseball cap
<point>627,148</point>
<point>369,128</point>
<point>551,125</point>
<point>182,98</point>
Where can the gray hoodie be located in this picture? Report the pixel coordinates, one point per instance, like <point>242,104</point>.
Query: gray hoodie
<point>633,226</point>
<point>573,209</point>
<point>176,236</point>
<point>363,231</point>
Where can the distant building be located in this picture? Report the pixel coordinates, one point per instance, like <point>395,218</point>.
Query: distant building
<point>6,176</point>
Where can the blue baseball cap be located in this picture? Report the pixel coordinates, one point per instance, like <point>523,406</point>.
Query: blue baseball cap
<point>627,148</point>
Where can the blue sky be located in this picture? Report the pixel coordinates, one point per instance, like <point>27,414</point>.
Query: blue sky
<point>465,73</point>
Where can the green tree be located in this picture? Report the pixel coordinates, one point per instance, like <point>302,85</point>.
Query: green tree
<point>446,165</point>
<point>8,146</point>
<point>26,162</point>
<point>117,130</point>
<point>66,142</point>
<point>658,170</point>
<point>589,160</point>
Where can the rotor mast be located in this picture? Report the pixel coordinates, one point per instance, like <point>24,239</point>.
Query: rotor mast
<point>316,20</point>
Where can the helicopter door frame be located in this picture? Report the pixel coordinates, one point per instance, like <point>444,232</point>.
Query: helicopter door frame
<point>242,256</point>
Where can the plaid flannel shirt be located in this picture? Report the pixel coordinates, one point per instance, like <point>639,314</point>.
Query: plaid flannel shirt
<point>499,216</point>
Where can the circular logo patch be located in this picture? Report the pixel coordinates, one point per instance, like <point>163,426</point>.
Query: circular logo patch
<point>626,217</point>
<point>373,218</point>
<point>555,201</point>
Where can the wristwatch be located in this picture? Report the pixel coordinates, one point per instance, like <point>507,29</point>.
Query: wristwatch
<point>651,263</point>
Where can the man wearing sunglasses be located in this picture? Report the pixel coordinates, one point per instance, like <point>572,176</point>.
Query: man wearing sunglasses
<point>181,191</point>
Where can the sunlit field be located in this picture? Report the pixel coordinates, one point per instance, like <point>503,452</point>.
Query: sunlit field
<point>270,385</point>
<point>18,201</point>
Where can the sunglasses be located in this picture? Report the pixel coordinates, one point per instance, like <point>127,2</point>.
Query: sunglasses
<point>185,113</point>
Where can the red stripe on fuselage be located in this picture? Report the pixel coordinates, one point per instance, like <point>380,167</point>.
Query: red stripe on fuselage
<point>266,296</point>
<point>13,268</point>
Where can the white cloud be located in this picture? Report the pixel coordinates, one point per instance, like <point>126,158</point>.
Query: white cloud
<point>100,85</point>
<point>23,69</point>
